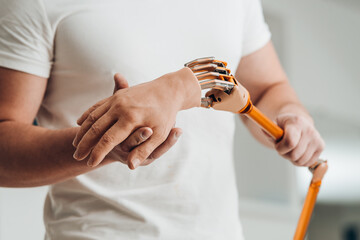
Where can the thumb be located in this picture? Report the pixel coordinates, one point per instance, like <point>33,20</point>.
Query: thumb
<point>120,82</point>
<point>287,121</point>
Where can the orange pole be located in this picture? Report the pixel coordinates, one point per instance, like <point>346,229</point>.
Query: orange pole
<point>319,169</point>
<point>306,213</point>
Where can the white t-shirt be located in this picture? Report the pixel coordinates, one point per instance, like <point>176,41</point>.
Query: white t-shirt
<point>190,192</point>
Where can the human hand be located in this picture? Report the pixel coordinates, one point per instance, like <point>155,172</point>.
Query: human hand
<point>301,143</point>
<point>153,104</point>
<point>121,151</point>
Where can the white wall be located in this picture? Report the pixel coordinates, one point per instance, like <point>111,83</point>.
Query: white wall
<point>322,49</point>
<point>21,212</point>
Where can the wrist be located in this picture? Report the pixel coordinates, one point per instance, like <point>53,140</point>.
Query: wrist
<point>187,87</point>
<point>295,109</point>
<point>182,87</point>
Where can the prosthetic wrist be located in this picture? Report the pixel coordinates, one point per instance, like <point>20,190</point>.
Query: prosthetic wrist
<point>213,74</point>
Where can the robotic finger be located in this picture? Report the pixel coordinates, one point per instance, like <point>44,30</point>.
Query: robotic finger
<point>205,60</point>
<point>211,67</point>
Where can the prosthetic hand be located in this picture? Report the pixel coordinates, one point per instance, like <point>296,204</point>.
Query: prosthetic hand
<point>228,94</point>
<point>232,97</point>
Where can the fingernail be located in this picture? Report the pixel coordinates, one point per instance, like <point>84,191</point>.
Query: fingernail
<point>90,163</point>
<point>136,162</point>
<point>76,155</point>
<point>74,143</point>
<point>145,135</point>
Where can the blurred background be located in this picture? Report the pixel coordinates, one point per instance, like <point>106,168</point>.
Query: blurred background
<point>318,42</point>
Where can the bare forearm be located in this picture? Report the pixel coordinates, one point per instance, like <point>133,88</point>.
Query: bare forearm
<point>278,99</point>
<point>34,156</point>
<point>261,73</point>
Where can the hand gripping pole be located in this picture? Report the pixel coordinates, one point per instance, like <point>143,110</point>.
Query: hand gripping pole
<point>228,94</point>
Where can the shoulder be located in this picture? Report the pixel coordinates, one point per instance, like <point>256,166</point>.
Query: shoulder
<point>15,10</point>
<point>26,37</point>
<point>27,14</point>
<point>10,6</point>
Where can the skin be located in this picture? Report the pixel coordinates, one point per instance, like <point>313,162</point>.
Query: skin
<point>34,156</point>
<point>45,156</point>
<point>263,76</point>
<point>261,73</point>
<point>153,104</point>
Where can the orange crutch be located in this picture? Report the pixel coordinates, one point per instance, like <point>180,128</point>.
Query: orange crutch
<point>228,94</point>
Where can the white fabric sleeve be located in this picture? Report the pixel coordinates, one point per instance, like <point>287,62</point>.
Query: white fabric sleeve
<point>25,37</point>
<point>256,31</point>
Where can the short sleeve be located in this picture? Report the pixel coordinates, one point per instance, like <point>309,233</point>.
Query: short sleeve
<point>256,32</point>
<point>25,37</point>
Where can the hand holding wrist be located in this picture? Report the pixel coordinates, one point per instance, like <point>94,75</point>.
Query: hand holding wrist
<point>153,104</point>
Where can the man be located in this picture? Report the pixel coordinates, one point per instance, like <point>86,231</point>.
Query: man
<point>58,58</point>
